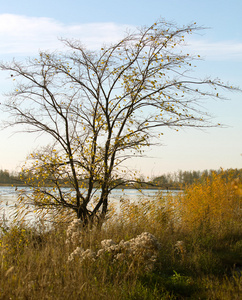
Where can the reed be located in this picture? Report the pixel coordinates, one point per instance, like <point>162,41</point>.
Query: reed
<point>194,241</point>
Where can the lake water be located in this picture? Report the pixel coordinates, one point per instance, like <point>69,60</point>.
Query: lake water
<point>9,195</point>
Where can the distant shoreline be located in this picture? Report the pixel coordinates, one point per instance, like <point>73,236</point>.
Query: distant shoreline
<point>118,188</point>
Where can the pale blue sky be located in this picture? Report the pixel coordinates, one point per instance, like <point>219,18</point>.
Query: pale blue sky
<point>27,26</point>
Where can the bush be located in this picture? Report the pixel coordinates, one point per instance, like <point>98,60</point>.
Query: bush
<point>213,206</point>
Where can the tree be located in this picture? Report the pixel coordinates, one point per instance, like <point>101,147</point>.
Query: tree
<point>101,108</point>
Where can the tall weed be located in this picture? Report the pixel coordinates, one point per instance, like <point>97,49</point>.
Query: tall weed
<point>200,257</point>
<point>213,205</point>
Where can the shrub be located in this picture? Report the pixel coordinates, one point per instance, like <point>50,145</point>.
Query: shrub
<point>212,205</point>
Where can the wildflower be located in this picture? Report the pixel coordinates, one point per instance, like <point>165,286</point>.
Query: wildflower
<point>74,232</point>
<point>77,252</point>
<point>100,252</point>
<point>143,249</point>
<point>107,243</point>
<point>88,254</point>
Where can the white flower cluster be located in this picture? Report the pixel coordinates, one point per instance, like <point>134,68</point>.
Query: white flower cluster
<point>74,232</point>
<point>82,255</point>
<point>143,249</point>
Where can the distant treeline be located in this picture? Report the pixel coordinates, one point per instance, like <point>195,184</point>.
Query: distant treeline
<point>176,180</point>
<point>7,177</point>
<point>180,179</point>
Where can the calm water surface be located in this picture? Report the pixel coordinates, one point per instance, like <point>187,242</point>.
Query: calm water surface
<point>9,195</point>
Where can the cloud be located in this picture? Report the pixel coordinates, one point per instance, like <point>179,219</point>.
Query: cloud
<point>22,35</point>
<point>217,51</point>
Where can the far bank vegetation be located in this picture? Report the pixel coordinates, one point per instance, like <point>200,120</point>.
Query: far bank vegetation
<point>171,181</point>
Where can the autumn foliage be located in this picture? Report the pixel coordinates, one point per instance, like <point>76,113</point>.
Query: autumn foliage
<point>170,247</point>
<point>99,108</point>
<point>212,204</point>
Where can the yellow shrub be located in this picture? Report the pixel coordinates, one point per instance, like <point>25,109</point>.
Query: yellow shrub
<point>211,204</point>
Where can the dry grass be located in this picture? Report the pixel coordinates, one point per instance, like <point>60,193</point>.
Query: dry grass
<point>200,255</point>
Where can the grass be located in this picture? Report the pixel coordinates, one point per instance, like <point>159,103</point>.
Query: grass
<point>206,265</point>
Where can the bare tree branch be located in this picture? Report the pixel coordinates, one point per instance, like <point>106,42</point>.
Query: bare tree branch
<point>102,108</point>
